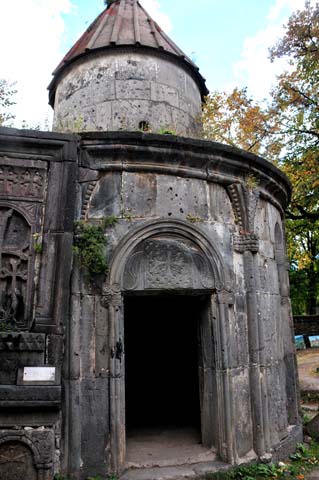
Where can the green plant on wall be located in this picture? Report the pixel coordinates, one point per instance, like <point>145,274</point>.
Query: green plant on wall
<point>7,327</point>
<point>193,218</point>
<point>252,182</point>
<point>89,246</point>
<point>37,244</point>
<point>109,221</point>
<point>167,131</point>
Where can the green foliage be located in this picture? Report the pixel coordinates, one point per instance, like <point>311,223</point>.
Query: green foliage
<point>127,215</point>
<point>238,120</point>
<point>7,327</point>
<point>302,461</point>
<point>37,245</point>
<point>286,131</point>
<point>193,218</point>
<point>109,221</point>
<point>7,93</point>
<point>73,125</point>
<point>252,182</point>
<point>166,131</point>
<point>89,245</point>
<point>57,476</point>
<point>305,419</point>
<point>38,248</point>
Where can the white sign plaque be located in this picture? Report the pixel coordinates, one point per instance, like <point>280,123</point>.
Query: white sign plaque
<point>39,374</point>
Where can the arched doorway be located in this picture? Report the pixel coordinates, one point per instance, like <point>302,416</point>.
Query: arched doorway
<point>159,272</point>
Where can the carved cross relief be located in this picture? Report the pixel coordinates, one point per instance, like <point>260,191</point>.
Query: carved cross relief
<point>15,236</point>
<point>167,263</point>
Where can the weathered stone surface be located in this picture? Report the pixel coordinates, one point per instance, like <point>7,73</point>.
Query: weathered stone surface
<point>16,462</point>
<point>106,196</point>
<point>36,397</point>
<point>181,206</point>
<point>118,91</point>
<point>19,350</point>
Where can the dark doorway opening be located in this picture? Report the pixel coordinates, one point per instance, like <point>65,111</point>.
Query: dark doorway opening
<point>168,380</point>
<point>161,361</point>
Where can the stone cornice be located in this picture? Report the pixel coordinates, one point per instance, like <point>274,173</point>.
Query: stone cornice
<point>186,157</point>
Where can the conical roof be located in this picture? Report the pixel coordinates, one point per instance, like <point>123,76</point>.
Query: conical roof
<point>125,23</point>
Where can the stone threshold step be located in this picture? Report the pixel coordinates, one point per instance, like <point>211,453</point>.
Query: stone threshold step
<point>181,472</point>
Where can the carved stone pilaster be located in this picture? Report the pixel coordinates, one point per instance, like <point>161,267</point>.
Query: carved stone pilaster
<point>111,295</point>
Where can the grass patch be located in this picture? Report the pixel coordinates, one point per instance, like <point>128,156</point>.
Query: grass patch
<point>305,459</point>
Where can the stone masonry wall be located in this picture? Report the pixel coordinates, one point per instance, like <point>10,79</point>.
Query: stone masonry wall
<point>118,91</point>
<point>207,190</point>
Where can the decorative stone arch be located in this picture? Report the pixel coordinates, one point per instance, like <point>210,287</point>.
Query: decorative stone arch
<point>178,228</point>
<point>217,383</point>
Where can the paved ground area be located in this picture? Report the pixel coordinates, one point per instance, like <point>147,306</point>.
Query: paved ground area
<point>164,446</point>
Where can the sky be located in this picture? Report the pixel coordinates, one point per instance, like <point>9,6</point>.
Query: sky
<point>229,41</point>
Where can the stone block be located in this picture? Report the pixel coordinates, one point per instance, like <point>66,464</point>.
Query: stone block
<point>95,425</point>
<point>87,336</point>
<point>266,249</point>
<point>240,384</point>
<point>105,200</point>
<point>267,281</point>
<point>270,323</point>
<point>273,378</point>
<point>179,197</point>
<point>127,114</point>
<point>102,350</point>
<point>103,114</point>
<point>161,117</point>
<point>133,89</point>
<point>55,349</point>
<point>59,211</point>
<point>220,205</point>
<point>139,194</point>
<point>53,299</point>
<point>164,93</point>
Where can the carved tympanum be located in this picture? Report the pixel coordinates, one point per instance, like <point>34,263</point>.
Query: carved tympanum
<point>167,263</point>
<point>16,462</point>
<point>15,237</point>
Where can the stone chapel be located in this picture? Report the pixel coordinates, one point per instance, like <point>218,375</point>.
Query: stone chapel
<point>178,359</point>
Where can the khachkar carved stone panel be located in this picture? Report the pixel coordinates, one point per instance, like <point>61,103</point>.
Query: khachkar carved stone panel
<point>168,263</point>
<point>17,182</point>
<point>15,237</point>
<point>16,462</point>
